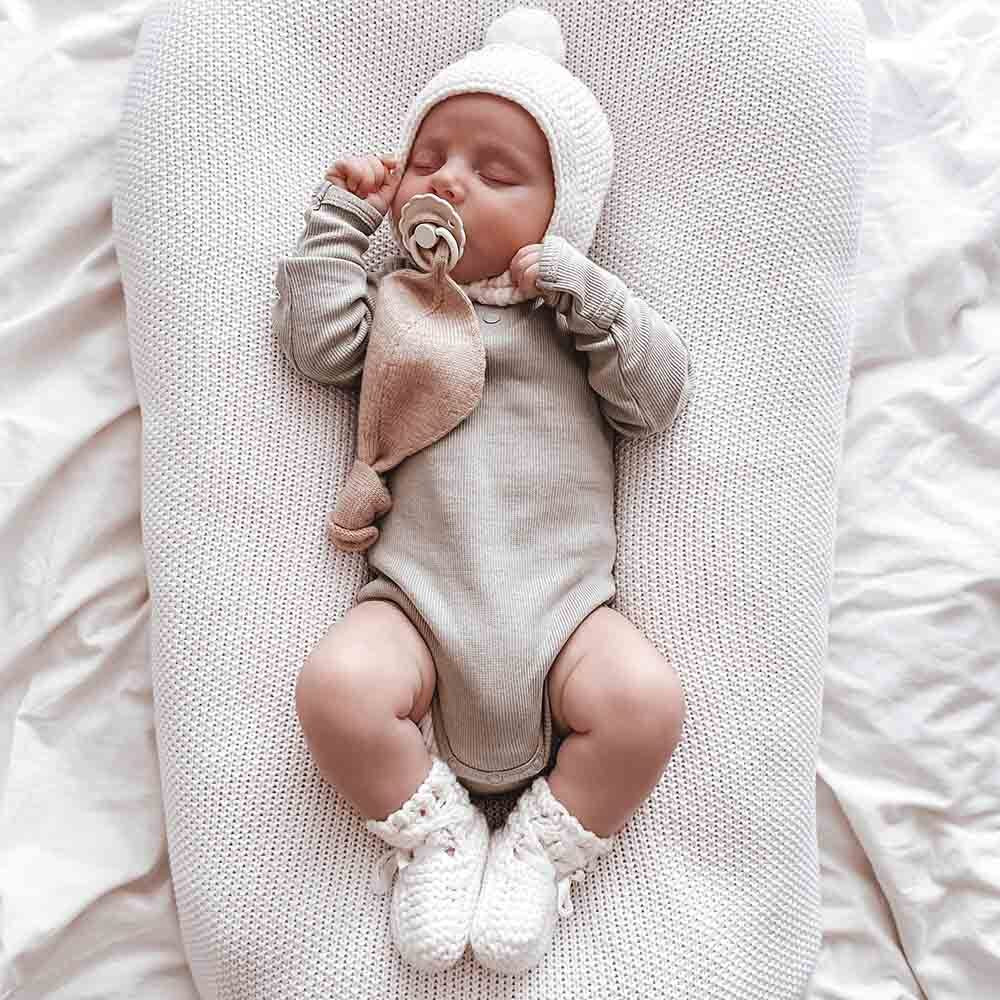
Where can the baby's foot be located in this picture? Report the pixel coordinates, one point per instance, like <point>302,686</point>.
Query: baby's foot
<point>440,841</point>
<point>533,859</point>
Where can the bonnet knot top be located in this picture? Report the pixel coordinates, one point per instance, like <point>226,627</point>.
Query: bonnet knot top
<point>530,27</point>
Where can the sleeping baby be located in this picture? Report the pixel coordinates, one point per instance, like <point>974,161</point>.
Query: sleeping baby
<point>483,654</point>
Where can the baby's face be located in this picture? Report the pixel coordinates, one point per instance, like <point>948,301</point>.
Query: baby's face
<point>488,158</point>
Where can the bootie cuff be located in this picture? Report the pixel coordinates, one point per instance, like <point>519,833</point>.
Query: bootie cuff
<point>409,825</point>
<point>569,845</point>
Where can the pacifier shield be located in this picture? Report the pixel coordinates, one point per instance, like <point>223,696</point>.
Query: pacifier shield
<point>425,220</point>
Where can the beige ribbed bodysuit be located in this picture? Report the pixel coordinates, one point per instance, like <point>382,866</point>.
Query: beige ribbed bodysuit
<point>500,539</point>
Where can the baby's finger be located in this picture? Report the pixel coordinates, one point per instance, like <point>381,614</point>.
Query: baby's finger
<point>349,172</point>
<point>358,164</point>
<point>379,170</point>
<point>368,176</point>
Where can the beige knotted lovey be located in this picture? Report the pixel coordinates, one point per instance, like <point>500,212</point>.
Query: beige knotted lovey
<point>424,372</point>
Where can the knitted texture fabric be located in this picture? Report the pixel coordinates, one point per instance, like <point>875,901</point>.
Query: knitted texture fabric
<point>741,135</point>
<point>497,290</point>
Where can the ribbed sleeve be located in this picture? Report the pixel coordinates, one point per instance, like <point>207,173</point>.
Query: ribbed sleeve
<point>637,362</point>
<point>326,296</point>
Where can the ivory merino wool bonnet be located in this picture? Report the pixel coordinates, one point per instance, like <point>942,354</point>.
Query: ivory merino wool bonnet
<point>522,59</point>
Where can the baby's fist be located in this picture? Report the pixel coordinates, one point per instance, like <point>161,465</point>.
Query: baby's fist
<point>373,178</point>
<point>524,266</point>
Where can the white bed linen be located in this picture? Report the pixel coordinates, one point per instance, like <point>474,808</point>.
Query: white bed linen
<point>87,904</point>
<point>909,770</point>
<point>908,793</point>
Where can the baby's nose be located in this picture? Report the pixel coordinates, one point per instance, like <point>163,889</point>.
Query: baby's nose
<point>446,186</point>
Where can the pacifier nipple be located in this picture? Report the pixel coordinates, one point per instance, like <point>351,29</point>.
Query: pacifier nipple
<point>425,221</point>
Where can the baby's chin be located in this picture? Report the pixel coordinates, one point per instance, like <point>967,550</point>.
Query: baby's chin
<point>468,271</point>
<point>473,276</point>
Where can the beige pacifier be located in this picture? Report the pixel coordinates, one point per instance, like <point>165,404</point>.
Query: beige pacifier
<point>427,222</point>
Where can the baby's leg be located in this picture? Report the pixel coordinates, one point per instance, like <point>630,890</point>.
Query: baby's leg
<point>359,697</point>
<point>622,705</point>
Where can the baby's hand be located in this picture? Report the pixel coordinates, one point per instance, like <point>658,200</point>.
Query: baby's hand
<point>524,268</point>
<point>373,178</point>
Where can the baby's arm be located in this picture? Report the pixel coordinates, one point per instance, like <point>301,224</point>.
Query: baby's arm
<point>326,296</point>
<point>637,362</point>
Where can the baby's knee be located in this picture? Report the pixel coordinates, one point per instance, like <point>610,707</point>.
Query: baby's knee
<point>334,687</point>
<point>649,705</point>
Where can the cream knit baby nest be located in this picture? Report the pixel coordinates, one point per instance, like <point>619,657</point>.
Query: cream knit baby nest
<point>741,132</point>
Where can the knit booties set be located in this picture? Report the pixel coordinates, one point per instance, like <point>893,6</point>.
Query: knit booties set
<point>457,884</point>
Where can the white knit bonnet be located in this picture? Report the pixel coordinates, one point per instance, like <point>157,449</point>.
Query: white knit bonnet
<point>522,59</point>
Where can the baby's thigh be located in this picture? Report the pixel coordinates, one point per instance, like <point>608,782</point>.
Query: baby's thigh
<point>370,664</point>
<point>607,674</point>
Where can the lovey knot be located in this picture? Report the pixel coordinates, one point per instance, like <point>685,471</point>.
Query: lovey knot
<point>363,499</point>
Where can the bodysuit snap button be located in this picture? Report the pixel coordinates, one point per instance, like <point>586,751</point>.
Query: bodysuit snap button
<point>491,317</point>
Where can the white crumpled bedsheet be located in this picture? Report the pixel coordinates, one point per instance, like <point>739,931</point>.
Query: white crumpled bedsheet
<point>87,904</point>
<point>908,784</point>
<point>909,771</point>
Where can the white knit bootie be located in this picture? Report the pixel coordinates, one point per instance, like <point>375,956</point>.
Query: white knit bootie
<point>439,845</point>
<point>533,859</point>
